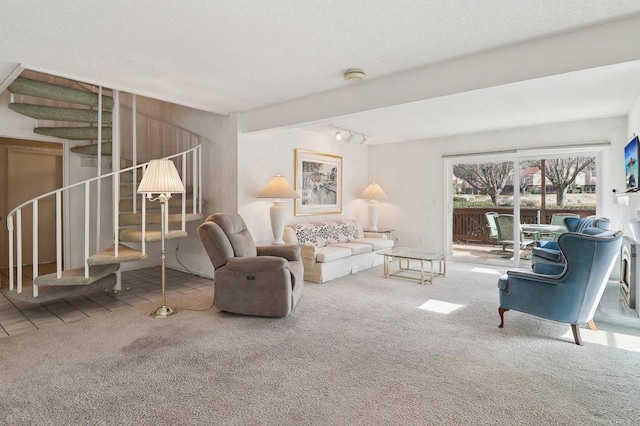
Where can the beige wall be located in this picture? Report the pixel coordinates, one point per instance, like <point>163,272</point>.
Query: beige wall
<point>412,173</point>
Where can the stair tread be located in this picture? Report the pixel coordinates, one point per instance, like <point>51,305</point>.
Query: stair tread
<point>92,149</point>
<point>46,294</point>
<point>126,203</point>
<point>74,133</point>
<point>75,277</point>
<point>125,254</point>
<point>133,235</point>
<point>154,218</point>
<point>36,88</point>
<point>44,112</point>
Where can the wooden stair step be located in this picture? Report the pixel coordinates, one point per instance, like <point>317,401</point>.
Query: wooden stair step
<point>75,277</point>
<point>40,89</point>
<point>74,133</point>
<point>107,256</point>
<point>44,112</point>
<point>135,236</point>
<point>46,294</point>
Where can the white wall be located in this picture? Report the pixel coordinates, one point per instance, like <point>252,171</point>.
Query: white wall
<point>630,206</point>
<point>412,173</point>
<point>262,155</point>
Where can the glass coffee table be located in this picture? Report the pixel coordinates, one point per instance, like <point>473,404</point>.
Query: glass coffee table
<point>405,256</point>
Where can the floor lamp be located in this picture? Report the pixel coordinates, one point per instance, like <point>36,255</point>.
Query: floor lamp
<point>161,178</point>
<point>374,193</point>
<point>278,187</point>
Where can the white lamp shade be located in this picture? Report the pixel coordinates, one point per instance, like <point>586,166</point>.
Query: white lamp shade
<point>373,192</point>
<point>278,187</point>
<point>161,177</point>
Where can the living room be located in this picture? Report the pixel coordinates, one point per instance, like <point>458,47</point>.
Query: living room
<point>363,349</point>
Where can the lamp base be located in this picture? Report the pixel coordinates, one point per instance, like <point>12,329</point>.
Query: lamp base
<point>163,312</point>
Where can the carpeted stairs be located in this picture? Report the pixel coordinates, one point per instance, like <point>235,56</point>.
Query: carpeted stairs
<point>104,264</point>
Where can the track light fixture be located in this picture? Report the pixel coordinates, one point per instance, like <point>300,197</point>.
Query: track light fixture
<point>339,135</point>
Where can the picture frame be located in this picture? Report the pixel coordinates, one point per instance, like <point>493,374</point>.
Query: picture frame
<point>318,180</point>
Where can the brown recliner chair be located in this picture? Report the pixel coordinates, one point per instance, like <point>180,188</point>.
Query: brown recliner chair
<point>263,281</point>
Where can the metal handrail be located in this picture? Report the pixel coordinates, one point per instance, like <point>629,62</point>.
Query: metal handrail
<point>196,192</point>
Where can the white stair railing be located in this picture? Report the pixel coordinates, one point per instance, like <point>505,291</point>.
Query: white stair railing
<point>192,182</point>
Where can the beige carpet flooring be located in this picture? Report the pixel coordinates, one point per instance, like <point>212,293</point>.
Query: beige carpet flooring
<point>361,350</point>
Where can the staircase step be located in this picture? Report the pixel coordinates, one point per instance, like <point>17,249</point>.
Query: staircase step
<point>127,177</point>
<point>43,112</point>
<point>46,294</point>
<point>126,203</point>
<point>75,277</point>
<point>125,254</point>
<point>30,87</point>
<point>127,219</point>
<point>92,149</point>
<point>135,236</point>
<point>74,133</point>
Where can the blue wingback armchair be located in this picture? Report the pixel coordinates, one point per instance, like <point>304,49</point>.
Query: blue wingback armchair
<point>571,296</point>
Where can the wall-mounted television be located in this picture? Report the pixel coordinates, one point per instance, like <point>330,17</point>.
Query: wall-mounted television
<point>631,165</point>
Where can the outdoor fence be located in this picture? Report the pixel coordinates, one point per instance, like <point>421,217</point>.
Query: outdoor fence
<point>470,224</point>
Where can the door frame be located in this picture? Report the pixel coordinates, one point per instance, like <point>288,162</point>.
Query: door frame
<point>600,150</point>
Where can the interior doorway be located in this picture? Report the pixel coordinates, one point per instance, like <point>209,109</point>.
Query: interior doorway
<point>29,169</point>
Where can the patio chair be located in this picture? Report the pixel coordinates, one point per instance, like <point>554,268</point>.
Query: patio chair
<point>558,220</point>
<point>491,224</point>
<point>504,225</point>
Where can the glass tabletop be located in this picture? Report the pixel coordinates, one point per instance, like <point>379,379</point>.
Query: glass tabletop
<point>412,253</point>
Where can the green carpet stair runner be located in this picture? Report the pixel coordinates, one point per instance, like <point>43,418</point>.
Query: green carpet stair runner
<point>48,293</point>
<point>92,149</point>
<point>74,133</point>
<point>75,277</point>
<point>104,264</point>
<point>40,89</point>
<point>44,112</point>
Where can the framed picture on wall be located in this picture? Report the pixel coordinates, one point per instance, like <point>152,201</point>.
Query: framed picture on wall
<point>319,183</point>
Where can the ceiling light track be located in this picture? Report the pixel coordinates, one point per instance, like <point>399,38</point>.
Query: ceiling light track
<point>341,131</point>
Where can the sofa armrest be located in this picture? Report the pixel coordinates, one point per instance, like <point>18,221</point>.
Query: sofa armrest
<point>257,264</point>
<point>288,251</point>
<point>308,251</point>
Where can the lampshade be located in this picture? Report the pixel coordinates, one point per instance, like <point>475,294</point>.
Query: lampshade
<point>278,187</point>
<point>161,177</point>
<point>373,192</point>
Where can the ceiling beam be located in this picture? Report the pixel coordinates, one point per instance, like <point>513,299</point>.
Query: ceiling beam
<point>595,46</point>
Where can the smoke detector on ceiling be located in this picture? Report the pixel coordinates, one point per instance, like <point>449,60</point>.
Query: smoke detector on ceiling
<point>354,75</point>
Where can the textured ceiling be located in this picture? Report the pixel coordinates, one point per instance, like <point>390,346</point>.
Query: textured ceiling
<point>229,56</point>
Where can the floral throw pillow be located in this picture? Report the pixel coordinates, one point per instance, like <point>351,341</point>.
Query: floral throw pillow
<point>321,234</point>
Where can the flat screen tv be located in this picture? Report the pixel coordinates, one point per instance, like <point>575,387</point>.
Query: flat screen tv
<point>631,165</point>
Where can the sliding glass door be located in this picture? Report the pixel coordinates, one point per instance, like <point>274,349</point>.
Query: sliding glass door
<point>501,207</point>
<point>482,198</point>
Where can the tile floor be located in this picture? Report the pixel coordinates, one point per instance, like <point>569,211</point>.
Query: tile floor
<point>139,287</point>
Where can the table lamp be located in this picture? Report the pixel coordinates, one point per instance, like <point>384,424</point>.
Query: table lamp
<point>278,187</point>
<point>162,178</point>
<point>374,193</point>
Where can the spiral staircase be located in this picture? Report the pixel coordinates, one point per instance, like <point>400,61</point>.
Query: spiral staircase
<point>79,115</point>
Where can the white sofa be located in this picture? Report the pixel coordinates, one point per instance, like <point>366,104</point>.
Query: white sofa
<point>332,249</point>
